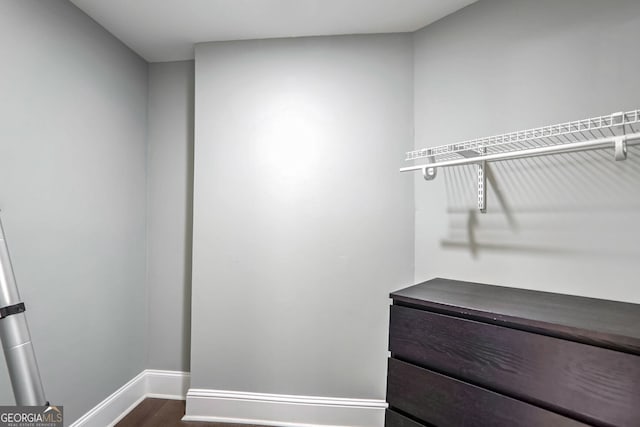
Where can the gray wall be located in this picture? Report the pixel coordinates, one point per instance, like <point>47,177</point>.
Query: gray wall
<point>72,193</point>
<point>169,218</point>
<point>570,222</point>
<point>302,224</point>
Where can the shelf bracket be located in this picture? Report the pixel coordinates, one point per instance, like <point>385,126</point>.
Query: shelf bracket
<point>482,180</point>
<point>620,148</point>
<point>620,143</point>
<point>482,187</point>
<point>427,172</point>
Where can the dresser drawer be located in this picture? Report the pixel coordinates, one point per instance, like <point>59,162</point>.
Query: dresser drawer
<point>394,419</point>
<point>593,384</point>
<point>443,401</point>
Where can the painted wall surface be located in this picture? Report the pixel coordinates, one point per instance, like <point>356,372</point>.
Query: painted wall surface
<point>302,224</point>
<point>169,218</point>
<point>567,223</point>
<point>72,194</point>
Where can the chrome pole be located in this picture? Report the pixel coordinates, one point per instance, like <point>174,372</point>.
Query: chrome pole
<point>15,337</point>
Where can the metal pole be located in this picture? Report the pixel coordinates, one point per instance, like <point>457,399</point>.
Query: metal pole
<point>15,337</point>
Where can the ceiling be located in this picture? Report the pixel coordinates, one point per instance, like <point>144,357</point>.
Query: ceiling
<point>166,30</point>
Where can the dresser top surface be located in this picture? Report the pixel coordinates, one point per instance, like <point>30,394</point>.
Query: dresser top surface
<point>599,322</point>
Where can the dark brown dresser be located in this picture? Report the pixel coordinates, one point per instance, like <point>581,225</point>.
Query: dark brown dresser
<point>469,354</point>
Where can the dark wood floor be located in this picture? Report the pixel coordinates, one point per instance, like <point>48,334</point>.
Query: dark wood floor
<point>164,413</point>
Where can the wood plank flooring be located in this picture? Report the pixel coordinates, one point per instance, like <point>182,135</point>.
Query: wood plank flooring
<point>164,413</point>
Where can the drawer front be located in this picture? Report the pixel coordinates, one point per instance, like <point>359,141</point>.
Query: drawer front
<point>443,401</point>
<point>394,419</point>
<point>593,384</point>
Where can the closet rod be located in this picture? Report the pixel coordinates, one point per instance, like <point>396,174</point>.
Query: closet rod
<point>612,141</point>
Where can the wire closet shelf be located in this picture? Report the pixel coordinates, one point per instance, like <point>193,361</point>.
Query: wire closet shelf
<point>614,131</point>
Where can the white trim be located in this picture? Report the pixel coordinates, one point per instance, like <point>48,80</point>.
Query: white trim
<point>107,415</point>
<point>234,407</point>
<point>148,383</point>
<point>167,384</point>
<point>116,404</point>
<point>282,410</point>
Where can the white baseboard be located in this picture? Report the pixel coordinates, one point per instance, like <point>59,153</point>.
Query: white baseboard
<point>149,383</point>
<point>167,384</point>
<point>234,407</point>
<point>282,410</point>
